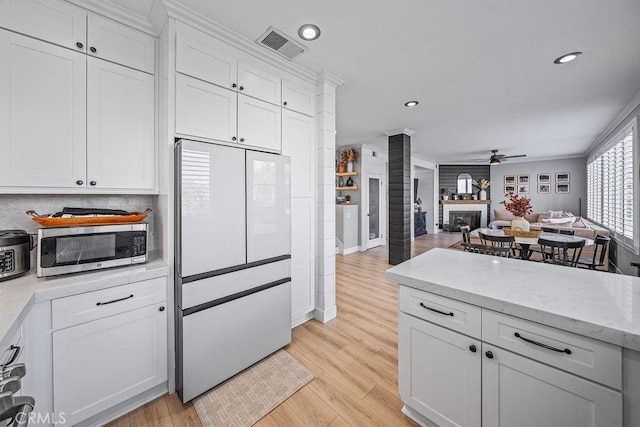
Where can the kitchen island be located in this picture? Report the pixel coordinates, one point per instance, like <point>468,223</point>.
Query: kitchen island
<point>492,341</point>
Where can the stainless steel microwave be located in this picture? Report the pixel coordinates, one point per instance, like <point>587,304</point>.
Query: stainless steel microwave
<point>77,249</point>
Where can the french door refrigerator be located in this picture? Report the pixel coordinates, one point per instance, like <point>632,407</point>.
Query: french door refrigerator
<point>233,262</point>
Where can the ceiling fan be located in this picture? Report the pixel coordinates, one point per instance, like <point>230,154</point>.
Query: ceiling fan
<point>496,158</point>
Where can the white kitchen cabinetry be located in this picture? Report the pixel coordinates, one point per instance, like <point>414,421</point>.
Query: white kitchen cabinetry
<point>298,142</point>
<point>42,113</point>
<point>120,131</point>
<point>259,123</point>
<point>299,97</point>
<point>302,258</point>
<point>120,354</point>
<point>258,83</point>
<point>441,362</point>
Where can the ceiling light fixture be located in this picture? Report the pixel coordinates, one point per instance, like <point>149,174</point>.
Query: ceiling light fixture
<point>494,161</point>
<point>411,103</point>
<point>309,32</point>
<point>567,58</point>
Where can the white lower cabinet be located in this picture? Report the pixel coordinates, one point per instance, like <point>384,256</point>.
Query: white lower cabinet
<point>104,362</point>
<point>451,379</point>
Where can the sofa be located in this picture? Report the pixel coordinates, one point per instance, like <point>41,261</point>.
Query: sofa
<point>559,220</point>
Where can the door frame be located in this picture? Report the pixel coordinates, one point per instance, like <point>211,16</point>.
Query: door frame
<point>372,243</point>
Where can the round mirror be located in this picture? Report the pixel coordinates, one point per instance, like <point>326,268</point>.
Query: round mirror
<point>464,183</point>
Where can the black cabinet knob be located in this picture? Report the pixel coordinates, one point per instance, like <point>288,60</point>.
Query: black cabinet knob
<point>241,87</point>
<point>80,45</point>
<point>162,308</point>
<point>233,138</point>
<point>92,183</point>
<point>489,355</point>
<point>241,139</point>
<point>80,182</point>
<point>284,103</point>
<point>234,85</point>
<point>473,348</point>
<point>93,49</point>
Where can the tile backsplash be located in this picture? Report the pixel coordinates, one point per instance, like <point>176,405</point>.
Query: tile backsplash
<point>14,206</point>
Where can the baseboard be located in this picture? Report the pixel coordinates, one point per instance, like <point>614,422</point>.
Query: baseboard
<point>127,406</point>
<point>347,251</point>
<point>325,315</point>
<point>418,418</point>
<point>300,320</point>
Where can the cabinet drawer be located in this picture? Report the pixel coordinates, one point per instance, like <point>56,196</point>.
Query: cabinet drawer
<point>89,306</point>
<point>452,314</point>
<point>589,358</point>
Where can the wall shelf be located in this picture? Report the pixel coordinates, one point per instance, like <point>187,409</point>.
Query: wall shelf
<point>346,173</point>
<point>354,187</point>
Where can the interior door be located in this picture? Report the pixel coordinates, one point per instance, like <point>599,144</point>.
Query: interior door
<point>268,206</point>
<point>374,221</point>
<point>212,200</point>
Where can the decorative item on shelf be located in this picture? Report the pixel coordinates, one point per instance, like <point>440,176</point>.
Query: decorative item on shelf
<point>463,197</point>
<point>418,204</point>
<point>445,194</point>
<point>340,182</point>
<point>347,198</point>
<point>342,167</point>
<point>474,197</point>
<point>349,157</point>
<point>350,182</point>
<point>518,206</point>
<point>482,184</point>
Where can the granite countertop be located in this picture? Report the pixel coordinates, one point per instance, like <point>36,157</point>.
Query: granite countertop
<point>19,294</point>
<point>599,305</point>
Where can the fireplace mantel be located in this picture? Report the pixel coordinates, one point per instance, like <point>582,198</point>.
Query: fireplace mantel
<point>464,205</point>
<point>465,202</point>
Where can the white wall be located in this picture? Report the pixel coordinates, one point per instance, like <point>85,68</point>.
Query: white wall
<point>575,201</point>
<point>431,205</point>
<point>426,181</point>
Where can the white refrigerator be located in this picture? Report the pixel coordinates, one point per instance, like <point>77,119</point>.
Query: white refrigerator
<point>233,262</point>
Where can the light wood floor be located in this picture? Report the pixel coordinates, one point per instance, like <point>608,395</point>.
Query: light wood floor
<point>354,357</point>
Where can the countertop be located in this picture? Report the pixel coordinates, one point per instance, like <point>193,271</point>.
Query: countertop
<point>599,305</point>
<point>19,294</point>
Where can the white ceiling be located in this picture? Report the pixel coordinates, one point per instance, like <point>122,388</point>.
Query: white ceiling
<point>482,69</point>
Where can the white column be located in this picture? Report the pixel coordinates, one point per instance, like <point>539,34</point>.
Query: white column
<point>326,209</point>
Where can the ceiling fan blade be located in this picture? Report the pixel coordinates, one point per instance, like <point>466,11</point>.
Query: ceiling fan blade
<point>514,156</point>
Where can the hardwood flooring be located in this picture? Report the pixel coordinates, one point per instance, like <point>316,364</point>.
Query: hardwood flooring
<point>354,357</point>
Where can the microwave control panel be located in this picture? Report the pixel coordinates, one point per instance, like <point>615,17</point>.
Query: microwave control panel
<point>140,245</point>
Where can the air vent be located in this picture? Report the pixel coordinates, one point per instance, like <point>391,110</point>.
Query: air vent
<point>280,43</point>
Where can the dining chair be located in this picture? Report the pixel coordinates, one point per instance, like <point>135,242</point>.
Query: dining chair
<point>499,243</point>
<point>561,253</point>
<point>481,249</point>
<point>599,253</point>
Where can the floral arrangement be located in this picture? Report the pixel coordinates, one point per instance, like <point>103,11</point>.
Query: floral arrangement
<point>349,155</point>
<point>482,183</point>
<point>519,206</point>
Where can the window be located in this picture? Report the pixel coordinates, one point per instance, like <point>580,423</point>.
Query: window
<point>610,186</point>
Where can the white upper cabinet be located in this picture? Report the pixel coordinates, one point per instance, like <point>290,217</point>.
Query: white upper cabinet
<point>118,43</point>
<point>299,97</point>
<point>55,21</point>
<point>205,110</point>
<point>42,114</point>
<point>258,83</point>
<point>120,131</point>
<point>259,123</point>
<point>298,142</point>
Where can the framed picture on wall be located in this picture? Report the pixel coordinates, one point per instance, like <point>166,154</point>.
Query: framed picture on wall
<point>509,180</point>
<point>544,178</point>
<point>509,189</point>
<point>523,189</point>
<point>562,177</point>
<point>523,180</point>
<point>562,188</point>
<point>544,188</point>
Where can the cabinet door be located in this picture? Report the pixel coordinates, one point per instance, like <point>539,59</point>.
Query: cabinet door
<point>298,142</point>
<point>258,83</point>
<point>303,259</point>
<point>300,98</point>
<point>259,123</point>
<point>118,43</point>
<point>197,56</point>
<point>120,130</point>
<point>205,110</point>
<point>439,373</point>
<point>55,21</point>
<point>268,206</point>
<point>212,207</point>
<point>42,114</point>
<point>99,364</point>
<point>517,391</point>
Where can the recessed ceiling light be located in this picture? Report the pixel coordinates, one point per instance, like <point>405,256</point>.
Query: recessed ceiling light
<point>567,58</point>
<point>411,103</point>
<point>309,32</point>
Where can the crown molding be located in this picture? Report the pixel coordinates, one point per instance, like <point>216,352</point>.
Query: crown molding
<point>405,131</point>
<point>326,77</point>
<point>182,13</point>
<point>118,13</point>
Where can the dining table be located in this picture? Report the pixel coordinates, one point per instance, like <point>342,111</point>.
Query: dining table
<point>524,243</point>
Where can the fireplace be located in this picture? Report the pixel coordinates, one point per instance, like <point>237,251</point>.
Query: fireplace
<point>460,218</point>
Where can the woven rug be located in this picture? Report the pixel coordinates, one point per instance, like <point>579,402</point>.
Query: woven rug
<point>253,393</point>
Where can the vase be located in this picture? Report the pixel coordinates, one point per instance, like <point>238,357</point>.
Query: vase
<point>445,197</point>
<point>340,168</point>
<point>350,167</point>
<point>520,224</point>
<point>482,194</point>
